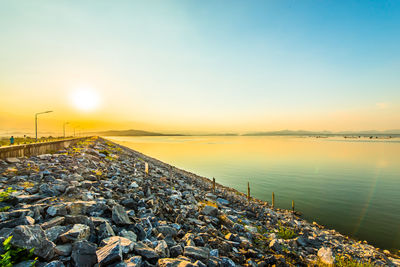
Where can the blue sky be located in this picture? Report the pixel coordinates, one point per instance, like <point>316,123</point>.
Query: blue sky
<point>217,65</point>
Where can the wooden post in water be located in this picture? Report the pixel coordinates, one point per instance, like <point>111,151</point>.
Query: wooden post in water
<point>248,191</point>
<point>273,200</point>
<point>213,186</point>
<point>293,206</point>
<point>171,176</point>
<point>146,168</point>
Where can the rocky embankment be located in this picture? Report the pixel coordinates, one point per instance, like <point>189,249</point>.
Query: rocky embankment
<point>94,205</point>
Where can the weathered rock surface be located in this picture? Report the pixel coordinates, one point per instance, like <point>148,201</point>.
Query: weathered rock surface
<point>33,236</point>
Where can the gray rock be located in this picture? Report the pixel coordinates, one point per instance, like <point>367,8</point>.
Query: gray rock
<point>53,222</point>
<point>145,251</point>
<point>227,262</point>
<point>46,190</point>
<point>197,253</point>
<point>27,236</point>
<point>105,231</point>
<point>110,253</point>
<point>54,232</point>
<point>26,220</point>
<point>54,264</point>
<point>63,250</point>
<point>275,245</point>
<point>129,234</point>
<point>209,211</point>
<point>222,201</point>
<point>126,244</point>
<point>168,262</point>
<point>57,210</point>
<point>24,264</point>
<point>175,251</point>
<point>214,253</point>
<point>78,232</point>
<point>84,253</point>
<point>167,230</point>
<point>135,261</point>
<point>119,215</point>
<point>162,249</point>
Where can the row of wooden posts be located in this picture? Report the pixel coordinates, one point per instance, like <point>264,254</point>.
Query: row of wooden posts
<point>249,196</point>
<point>146,169</point>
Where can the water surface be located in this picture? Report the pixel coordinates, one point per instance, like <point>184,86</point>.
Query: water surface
<point>352,186</point>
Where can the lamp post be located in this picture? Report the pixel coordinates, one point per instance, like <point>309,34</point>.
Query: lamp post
<point>36,120</point>
<point>75,128</point>
<point>65,123</point>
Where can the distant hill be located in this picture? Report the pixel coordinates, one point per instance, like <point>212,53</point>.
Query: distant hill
<point>133,133</point>
<point>288,132</point>
<point>324,133</point>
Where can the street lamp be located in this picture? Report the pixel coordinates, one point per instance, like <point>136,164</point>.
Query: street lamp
<point>65,123</point>
<point>75,128</point>
<point>36,120</point>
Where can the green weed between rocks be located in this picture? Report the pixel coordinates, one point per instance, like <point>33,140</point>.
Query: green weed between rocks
<point>286,232</point>
<point>13,255</point>
<point>342,261</point>
<point>5,194</point>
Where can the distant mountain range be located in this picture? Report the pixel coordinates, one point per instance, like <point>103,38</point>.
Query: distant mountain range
<point>324,133</point>
<point>133,133</point>
<point>266,133</point>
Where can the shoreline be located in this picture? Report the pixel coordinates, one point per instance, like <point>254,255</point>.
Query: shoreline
<point>159,219</point>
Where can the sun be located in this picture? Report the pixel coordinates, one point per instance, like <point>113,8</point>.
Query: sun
<point>85,99</point>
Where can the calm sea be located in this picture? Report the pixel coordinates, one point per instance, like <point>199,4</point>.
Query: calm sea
<point>352,186</point>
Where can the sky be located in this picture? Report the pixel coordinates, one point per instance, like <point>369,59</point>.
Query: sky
<point>199,66</point>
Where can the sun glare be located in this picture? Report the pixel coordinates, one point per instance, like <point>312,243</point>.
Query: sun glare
<point>85,99</point>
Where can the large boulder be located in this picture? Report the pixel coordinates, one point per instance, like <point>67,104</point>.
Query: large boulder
<point>33,236</point>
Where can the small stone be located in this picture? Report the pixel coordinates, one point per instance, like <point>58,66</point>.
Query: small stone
<point>54,264</point>
<point>227,262</point>
<point>135,261</point>
<point>214,253</point>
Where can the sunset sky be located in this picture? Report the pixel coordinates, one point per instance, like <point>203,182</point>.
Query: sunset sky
<point>200,66</point>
